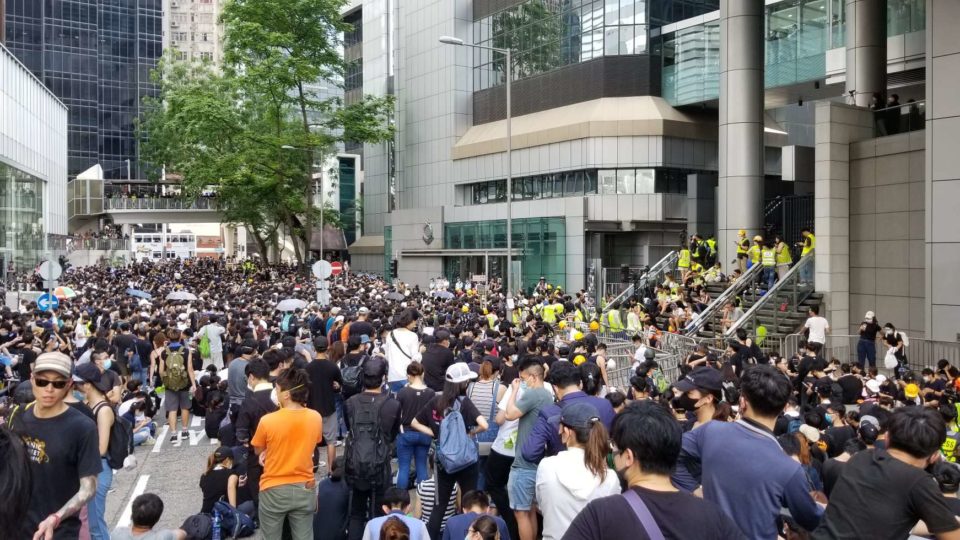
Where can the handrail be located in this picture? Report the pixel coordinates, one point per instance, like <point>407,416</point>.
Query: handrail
<point>731,292</point>
<point>654,273</point>
<point>789,284</point>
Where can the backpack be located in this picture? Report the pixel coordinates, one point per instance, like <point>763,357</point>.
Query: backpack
<point>198,527</point>
<point>176,377</point>
<point>285,322</point>
<point>121,438</point>
<point>352,379</point>
<point>793,424</point>
<point>455,449</point>
<point>366,451</point>
<point>233,523</point>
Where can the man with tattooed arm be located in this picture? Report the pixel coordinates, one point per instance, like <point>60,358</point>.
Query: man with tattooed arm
<point>62,445</point>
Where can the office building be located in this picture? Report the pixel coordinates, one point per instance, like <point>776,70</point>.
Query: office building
<point>97,57</point>
<point>33,165</point>
<point>192,31</point>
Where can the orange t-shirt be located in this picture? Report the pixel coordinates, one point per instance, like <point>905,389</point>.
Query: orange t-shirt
<point>289,437</point>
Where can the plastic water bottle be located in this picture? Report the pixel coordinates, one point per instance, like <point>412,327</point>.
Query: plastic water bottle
<point>216,526</point>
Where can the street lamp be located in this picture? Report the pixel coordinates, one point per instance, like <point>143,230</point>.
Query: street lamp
<point>309,219</point>
<point>450,40</point>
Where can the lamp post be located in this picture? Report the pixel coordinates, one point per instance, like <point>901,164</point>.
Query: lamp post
<point>309,220</point>
<point>449,40</point>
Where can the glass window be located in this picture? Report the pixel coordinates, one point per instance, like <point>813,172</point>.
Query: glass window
<point>608,182</point>
<point>625,182</point>
<point>645,181</point>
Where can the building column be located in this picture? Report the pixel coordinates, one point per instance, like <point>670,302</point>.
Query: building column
<point>942,171</point>
<point>701,204</point>
<point>837,126</point>
<point>740,193</point>
<point>866,49</point>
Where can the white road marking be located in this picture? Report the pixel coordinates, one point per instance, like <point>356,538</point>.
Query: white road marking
<point>195,421</point>
<point>196,436</point>
<point>161,436</point>
<point>138,490</point>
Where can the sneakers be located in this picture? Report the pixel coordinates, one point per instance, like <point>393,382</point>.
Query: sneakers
<point>184,434</point>
<point>174,438</point>
<point>150,441</point>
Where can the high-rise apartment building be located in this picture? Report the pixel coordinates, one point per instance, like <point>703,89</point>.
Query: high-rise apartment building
<point>97,57</point>
<point>192,30</point>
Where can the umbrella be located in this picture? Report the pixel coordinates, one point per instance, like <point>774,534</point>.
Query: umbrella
<point>64,292</point>
<point>445,295</point>
<point>291,304</point>
<point>181,295</point>
<point>139,294</point>
<point>394,296</point>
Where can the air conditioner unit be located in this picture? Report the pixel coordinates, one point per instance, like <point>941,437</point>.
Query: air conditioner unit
<point>174,24</point>
<point>173,4</point>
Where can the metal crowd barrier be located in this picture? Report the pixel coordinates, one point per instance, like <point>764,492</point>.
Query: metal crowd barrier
<point>920,352</point>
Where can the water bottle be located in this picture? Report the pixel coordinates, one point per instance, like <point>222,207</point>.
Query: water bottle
<point>216,526</point>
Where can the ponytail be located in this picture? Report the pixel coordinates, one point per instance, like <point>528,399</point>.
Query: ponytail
<point>211,463</point>
<point>596,445</point>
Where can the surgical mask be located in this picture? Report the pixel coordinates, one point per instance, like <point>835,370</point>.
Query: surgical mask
<point>829,418</point>
<point>107,363</point>
<point>78,395</point>
<point>523,385</point>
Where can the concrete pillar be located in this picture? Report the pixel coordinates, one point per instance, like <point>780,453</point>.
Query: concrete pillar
<point>942,171</point>
<point>740,190</point>
<point>866,49</point>
<point>701,204</point>
<point>837,126</point>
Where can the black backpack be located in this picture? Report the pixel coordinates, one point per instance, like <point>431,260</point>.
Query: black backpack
<point>366,451</point>
<point>121,438</point>
<point>352,377</point>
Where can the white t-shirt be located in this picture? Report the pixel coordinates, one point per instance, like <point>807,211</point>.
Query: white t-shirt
<point>506,436</point>
<point>818,329</point>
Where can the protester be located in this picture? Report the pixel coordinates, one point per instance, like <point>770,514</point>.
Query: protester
<point>476,504</point>
<point>395,504</point>
<point>412,444</point>
<point>145,512</point>
<point>325,381</point>
<point>257,404</point>
<point>95,388</point>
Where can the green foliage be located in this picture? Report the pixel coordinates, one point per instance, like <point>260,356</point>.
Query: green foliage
<point>228,129</point>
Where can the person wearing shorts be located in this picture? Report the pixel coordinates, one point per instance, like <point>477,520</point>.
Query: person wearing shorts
<point>325,380</point>
<point>173,399</point>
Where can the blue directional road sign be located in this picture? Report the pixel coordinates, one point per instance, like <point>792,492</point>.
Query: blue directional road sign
<point>47,301</point>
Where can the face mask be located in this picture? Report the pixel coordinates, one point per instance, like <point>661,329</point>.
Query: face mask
<point>107,363</point>
<point>78,395</point>
<point>523,385</point>
<point>685,402</point>
<point>829,418</point>
<point>275,397</point>
<point>622,477</point>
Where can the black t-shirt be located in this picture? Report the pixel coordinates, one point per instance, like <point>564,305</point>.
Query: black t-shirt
<point>362,328</point>
<point>431,417</point>
<point>26,363</point>
<point>389,412</point>
<point>323,373</point>
<point>123,343</point>
<point>678,514</point>
<point>852,388</point>
<point>508,373</point>
<point>436,360</point>
<point>61,450</point>
<point>412,400</point>
<point>837,438</point>
<point>878,496</point>
<point>869,330</point>
<point>351,359</point>
<point>213,485</point>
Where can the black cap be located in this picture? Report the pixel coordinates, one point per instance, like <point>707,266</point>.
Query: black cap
<point>579,415</point>
<point>222,453</point>
<point>374,366</point>
<point>320,344</point>
<point>89,373</point>
<point>494,361</point>
<point>288,341</point>
<point>701,378</point>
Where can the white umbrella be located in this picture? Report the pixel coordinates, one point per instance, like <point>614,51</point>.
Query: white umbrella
<point>181,295</point>
<point>291,304</point>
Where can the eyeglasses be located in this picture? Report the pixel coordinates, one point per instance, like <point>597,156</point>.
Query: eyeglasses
<point>42,383</point>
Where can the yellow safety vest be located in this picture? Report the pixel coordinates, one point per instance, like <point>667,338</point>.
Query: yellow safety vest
<point>684,258</point>
<point>712,244</point>
<point>769,257</point>
<point>548,314</point>
<point>613,319</point>
<point>754,253</point>
<point>808,245</point>
<point>743,245</point>
<point>696,267</point>
<point>784,256</point>
<point>490,320</point>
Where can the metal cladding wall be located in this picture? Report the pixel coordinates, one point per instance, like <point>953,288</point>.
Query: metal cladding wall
<point>610,76</point>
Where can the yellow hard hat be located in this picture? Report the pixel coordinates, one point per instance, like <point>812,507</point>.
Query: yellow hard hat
<point>485,312</point>
<point>579,359</point>
<point>742,232</point>
<point>578,336</point>
<point>594,325</point>
<point>465,308</point>
<point>549,287</point>
<point>758,238</point>
<point>562,324</point>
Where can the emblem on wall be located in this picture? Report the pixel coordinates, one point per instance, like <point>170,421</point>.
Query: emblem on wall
<point>427,233</point>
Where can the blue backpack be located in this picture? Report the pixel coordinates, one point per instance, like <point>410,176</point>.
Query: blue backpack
<point>233,523</point>
<point>455,449</point>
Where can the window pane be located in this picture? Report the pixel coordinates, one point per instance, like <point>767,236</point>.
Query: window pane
<point>645,181</point>
<point>626,40</point>
<point>625,182</point>
<point>611,43</point>
<point>608,182</point>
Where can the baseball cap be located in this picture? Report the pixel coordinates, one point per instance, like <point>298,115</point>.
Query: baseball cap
<point>869,316</point>
<point>375,366</point>
<point>222,453</point>
<point>320,343</point>
<point>89,373</point>
<point>872,387</point>
<point>868,419</point>
<point>810,432</point>
<point>494,361</point>
<point>459,372</point>
<point>579,415</point>
<point>363,310</point>
<point>911,391</point>
<point>54,361</point>
<point>702,378</point>
<point>334,310</point>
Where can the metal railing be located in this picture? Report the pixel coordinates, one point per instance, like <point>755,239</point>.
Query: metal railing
<point>98,244</point>
<point>158,203</point>
<point>653,275</point>
<point>789,290</point>
<point>920,353</point>
<point>903,118</point>
<point>745,286</point>
<point>789,215</point>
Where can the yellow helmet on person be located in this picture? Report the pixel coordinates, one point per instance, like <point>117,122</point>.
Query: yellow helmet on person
<point>578,336</point>
<point>758,238</point>
<point>742,232</point>
<point>465,308</point>
<point>562,324</point>
<point>594,326</point>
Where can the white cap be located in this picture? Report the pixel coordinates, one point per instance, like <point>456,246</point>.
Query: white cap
<point>334,310</point>
<point>869,316</point>
<point>363,310</point>
<point>872,387</point>
<point>459,372</point>
<point>810,432</point>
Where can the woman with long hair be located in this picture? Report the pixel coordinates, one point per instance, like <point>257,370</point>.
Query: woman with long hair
<point>429,420</point>
<point>483,528</point>
<point>410,442</point>
<point>571,479</point>
<point>15,481</point>
<point>394,529</point>
<point>219,481</point>
<point>485,393</point>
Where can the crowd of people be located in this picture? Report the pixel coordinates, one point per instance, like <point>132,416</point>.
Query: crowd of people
<point>395,413</point>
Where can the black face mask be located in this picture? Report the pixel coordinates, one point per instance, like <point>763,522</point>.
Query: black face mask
<point>622,476</point>
<point>684,402</point>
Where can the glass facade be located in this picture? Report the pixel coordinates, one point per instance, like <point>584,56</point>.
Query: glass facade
<point>96,56</point>
<point>387,251</point>
<point>543,241</point>
<point>578,183</point>
<point>798,34</point>
<point>21,218</point>
<point>347,178</point>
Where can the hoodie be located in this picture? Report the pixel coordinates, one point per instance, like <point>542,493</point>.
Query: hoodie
<point>564,486</point>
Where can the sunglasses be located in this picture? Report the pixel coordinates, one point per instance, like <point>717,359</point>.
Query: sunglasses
<point>42,383</point>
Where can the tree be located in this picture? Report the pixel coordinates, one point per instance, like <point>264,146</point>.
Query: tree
<point>254,130</point>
